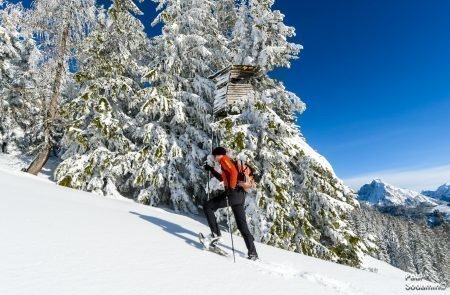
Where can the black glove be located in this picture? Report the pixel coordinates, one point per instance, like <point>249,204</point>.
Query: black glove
<point>208,168</point>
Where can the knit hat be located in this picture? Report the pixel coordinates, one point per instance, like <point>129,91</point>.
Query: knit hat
<point>219,151</point>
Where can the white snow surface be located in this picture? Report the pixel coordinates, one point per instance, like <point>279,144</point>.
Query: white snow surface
<point>382,194</point>
<point>56,240</point>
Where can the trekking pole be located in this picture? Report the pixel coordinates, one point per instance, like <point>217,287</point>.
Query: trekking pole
<point>209,178</point>
<point>229,228</point>
<point>212,143</point>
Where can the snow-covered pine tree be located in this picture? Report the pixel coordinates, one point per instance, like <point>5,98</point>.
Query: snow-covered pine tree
<point>226,14</point>
<point>261,37</point>
<point>19,106</point>
<point>59,25</point>
<point>300,204</point>
<point>99,152</point>
<point>441,261</point>
<point>175,120</point>
<point>404,258</point>
<point>414,248</point>
<point>241,44</point>
<point>421,250</point>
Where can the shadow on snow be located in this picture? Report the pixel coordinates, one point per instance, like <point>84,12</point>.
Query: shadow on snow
<point>173,229</point>
<point>178,231</point>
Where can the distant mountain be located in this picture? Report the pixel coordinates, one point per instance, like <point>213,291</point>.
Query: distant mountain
<point>442,193</point>
<point>384,194</point>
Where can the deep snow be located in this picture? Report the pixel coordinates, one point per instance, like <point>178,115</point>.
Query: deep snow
<point>56,240</point>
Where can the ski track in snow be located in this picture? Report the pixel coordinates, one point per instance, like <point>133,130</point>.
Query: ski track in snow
<point>287,272</point>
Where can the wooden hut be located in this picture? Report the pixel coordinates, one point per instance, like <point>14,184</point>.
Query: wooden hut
<point>233,83</point>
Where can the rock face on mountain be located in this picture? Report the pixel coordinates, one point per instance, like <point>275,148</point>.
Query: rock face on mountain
<point>442,193</point>
<point>384,194</point>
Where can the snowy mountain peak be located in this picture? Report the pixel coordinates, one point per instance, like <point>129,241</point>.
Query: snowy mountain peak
<point>378,181</point>
<point>442,193</point>
<point>381,193</point>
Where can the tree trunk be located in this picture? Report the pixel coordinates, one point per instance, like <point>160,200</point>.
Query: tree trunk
<point>40,160</point>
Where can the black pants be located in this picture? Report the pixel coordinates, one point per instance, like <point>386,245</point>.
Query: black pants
<point>236,200</point>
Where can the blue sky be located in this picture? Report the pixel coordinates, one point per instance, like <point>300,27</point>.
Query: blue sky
<point>375,76</point>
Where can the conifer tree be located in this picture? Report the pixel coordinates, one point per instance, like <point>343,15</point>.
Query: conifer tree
<point>226,15</point>
<point>176,119</point>
<point>99,148</point>
<point>262,37</point>
<point>441,257</point>
<point>411,246</point>
<point>19,105</point>
<point>299,204</point>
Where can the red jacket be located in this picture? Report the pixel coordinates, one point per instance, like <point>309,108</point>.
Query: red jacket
<point>229,172</point>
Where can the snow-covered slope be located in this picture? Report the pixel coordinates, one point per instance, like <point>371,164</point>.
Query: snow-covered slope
<point>384,194</point>
<point>442,193</point>
<point>56,240</point>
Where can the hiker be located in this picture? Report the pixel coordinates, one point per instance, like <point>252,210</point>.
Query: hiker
<point>236,199</point>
